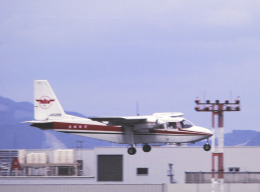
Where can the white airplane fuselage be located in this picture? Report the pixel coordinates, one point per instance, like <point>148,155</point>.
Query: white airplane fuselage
<point>88,128</point>
<point>157,128</point>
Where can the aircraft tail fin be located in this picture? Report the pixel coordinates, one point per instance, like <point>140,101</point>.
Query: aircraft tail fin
<point>46,104</point>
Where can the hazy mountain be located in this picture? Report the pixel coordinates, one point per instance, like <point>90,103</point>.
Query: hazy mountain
<point>242,138</point>
<point>17,135</point>
<point>238,138</point>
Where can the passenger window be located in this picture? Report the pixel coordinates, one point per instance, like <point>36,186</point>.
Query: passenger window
<point>172,125</point>
<point>161,127</point>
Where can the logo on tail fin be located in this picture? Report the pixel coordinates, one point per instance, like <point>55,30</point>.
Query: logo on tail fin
<point>45,102</point>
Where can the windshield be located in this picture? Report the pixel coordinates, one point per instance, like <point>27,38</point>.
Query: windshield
<point>185,124</point>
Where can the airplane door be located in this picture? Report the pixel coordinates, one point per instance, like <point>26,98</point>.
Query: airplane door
<point>171,129</point>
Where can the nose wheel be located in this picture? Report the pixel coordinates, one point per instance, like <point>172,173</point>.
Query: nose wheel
<point>207,147</point>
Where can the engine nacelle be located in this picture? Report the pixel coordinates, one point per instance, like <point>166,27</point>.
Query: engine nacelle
<point>160,123</point>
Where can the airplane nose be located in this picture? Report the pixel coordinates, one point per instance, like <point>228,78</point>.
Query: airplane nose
<point>207,131</point>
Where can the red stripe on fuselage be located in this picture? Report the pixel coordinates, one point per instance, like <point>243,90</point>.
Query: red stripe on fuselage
<point>76,127</point>
<point>88,127</point>
<point>85,127</point>
<point>180,132</point>
<point>194,132</point>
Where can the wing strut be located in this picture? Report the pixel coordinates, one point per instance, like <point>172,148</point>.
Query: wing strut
<point>129,135</point>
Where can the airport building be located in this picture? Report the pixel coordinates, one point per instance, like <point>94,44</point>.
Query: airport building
<point>166,168</point>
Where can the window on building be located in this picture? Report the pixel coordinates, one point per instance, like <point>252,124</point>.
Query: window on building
<point>66,171</point>
<point>80,167</point>
<point>234,169</point>
<point>142,171</point>
<point>110,168</point>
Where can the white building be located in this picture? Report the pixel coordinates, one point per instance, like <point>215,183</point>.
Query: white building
<point>113,165</point>
<point>112,169</point>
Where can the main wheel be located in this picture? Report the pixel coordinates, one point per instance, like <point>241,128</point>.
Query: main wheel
<point>131,150</point>
<point>147,148</point>
<point>207,147</point>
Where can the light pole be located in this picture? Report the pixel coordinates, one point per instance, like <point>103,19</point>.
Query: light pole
<point>217,109</point>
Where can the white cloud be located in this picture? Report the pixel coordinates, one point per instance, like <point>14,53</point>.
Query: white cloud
<point>230,17</point>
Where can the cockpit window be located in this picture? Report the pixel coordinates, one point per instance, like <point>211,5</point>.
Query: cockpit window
<point>185,124</point>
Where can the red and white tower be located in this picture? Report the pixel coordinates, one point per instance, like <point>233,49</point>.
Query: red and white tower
<point>217,109</point>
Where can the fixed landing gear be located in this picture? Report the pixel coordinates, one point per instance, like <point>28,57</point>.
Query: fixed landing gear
<point>207,147</point>
<point>147,148</point>
<point>132,150</point>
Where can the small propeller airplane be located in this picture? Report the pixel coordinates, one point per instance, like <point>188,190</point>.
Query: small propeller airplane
<point>132,130</point>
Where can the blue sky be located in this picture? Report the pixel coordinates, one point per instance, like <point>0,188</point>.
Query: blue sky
<point>101,57</point>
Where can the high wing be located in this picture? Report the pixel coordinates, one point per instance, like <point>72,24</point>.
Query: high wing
<point>139,123</point>
<point>123,121</point>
